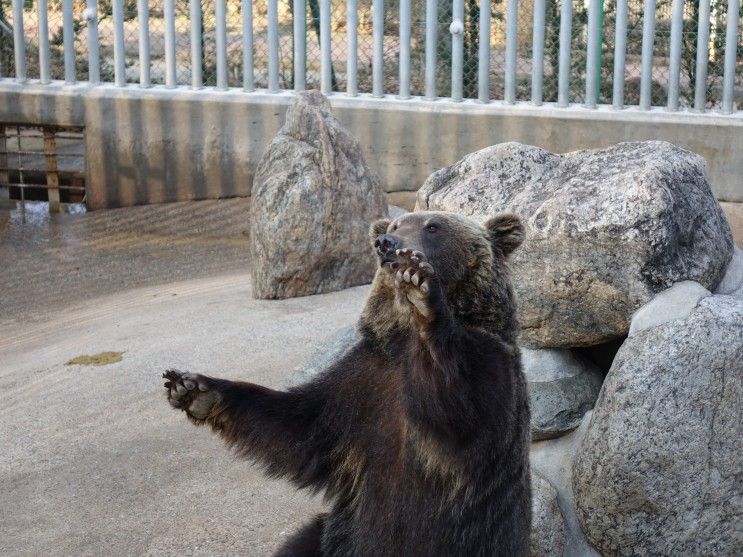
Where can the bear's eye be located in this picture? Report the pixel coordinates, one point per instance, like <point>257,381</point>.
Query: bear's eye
<point>432,227</point>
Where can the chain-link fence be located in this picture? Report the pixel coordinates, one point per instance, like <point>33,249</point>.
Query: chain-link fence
<point>339,36</point>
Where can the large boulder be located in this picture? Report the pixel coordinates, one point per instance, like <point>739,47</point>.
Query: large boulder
<point>659,471</point>
<point>607,230</point>
<point>312,201</point>
<point>563,386</point>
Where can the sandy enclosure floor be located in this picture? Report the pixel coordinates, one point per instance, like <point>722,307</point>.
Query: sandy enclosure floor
<point>94,461</point>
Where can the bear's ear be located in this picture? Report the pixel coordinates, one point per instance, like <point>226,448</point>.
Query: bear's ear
<point>378,227</point>
<point>506,232</point>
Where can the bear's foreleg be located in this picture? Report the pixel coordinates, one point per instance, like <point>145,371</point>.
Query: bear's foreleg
<point>276,428</point>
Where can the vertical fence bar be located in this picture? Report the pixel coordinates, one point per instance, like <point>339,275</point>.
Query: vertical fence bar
<point>273,45</point>
<point>94,58</point>
<point>566,31</point>
<point>300,45</point>
<point>194,16</point>
<point>169,14</point>
<point>220,14</point>
<point>143,16</point>
<point>19,41</point>
<point>326,69</point>
<point>674,62</point>
<point>620,53</point>
<point>432,15</point>
<point>404,49</point>
<point>592,53</point>
<point>483,63</point>
<point>457,49</point>
<point>44,69</point>
<point>247,45</point>
<point>648,41</point>
<point>700,85</point>
<point>512,29</point>
<point>117,9</point>
<point>731,48</point>
<point>378,48</point>
<point>68,40</point>
<point>537,58</point>
<point>352,25</point>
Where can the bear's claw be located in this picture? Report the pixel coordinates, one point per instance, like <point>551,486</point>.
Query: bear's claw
<point>414,276</point>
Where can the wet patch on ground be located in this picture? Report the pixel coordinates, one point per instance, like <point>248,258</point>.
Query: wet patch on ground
<point>100,359</point>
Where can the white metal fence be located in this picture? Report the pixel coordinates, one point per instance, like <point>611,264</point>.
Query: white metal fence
<point>681,54</point>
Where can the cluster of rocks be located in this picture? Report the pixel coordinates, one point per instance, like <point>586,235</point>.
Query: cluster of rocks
<point>630,294</point>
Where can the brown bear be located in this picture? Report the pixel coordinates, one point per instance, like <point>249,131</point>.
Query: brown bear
<point>419,435</point>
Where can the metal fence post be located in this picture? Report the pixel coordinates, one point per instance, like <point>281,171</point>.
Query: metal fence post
<point>432,11</point>
<point>648,42</point>
<point>483,63</point>
<point>220,14</point>
<point>674,62</point>
<point>68,40</point>
<point>300,45</point>
<point>44,69</point>
<point>169,13</point>
<point>700,85</point>
<point>117,9</point>
<point>378,48</point>
<point>592,53</point>
<point>537,59</point>
<point>731,48</point>
<point>19,41</point>
<point>194,16</point>
<point>247,45</point>
<point>566,30</point>
<point>512,29</point>
<point>326,70</point>
<point>404,91</point>
<point>457,49</point>
<point>352,24</point>
<point>273,45</point>
<point>620,53</point>
<point>143,14</point>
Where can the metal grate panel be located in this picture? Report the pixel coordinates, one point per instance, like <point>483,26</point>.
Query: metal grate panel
<point>42,163</point>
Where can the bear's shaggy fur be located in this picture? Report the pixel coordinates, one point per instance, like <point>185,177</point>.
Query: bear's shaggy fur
<point>419,435</point>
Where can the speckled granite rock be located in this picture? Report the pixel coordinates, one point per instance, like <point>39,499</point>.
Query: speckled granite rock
<point>313,199</point>
<point>548,529</point>
<point>659,470</point>
<point>606,230</point>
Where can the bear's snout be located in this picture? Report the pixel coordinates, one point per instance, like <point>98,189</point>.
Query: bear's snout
<point>386,245</point>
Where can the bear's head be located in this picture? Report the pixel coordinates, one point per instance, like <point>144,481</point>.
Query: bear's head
<point>469,260</point>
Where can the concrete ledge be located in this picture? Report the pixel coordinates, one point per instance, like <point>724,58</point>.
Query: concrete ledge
<point>150,145</point>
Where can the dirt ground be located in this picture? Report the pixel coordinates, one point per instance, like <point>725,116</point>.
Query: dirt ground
<point>93,459</point>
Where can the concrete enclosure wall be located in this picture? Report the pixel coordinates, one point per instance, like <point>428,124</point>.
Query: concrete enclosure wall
<point>156,145</point>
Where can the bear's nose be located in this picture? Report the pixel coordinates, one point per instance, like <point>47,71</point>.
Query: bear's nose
<point>386,244</point>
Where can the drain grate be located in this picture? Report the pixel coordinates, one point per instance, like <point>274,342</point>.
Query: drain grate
<point>42,163</point>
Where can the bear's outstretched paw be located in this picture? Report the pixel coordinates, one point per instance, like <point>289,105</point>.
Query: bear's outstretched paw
<point>191,393</point>
<point>415,277</point>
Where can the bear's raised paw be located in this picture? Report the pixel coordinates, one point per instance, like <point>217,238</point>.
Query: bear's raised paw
<point>191,393</point>
<point>415,277</point>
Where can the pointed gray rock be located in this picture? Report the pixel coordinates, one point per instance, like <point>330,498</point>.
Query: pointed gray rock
<point>312,202</point>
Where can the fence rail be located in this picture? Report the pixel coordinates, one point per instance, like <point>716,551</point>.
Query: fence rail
<point>688,54</point>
